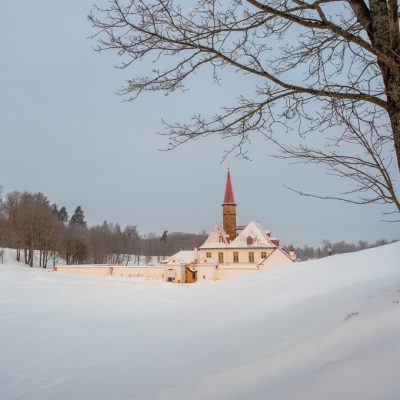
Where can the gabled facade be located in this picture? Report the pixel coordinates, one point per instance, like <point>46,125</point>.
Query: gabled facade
<point>242,248</point>
<point>250,246</point>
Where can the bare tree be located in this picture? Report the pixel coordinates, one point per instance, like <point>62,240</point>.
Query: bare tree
<point>99,236</point>
<point>320,64</point>
<point>30,225</point>
<point>2,218</point>
<point>13,225</point>
<point>131,236</point>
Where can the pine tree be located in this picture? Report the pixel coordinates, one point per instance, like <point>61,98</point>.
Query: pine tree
<point>54,209</point>
<point>78,218</point>
<point>63,215</point>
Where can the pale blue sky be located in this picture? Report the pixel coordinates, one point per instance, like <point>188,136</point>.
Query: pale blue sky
<point>64,132</point>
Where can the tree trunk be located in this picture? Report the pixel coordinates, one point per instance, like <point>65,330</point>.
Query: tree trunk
<point>45,258</point>
<point>394,115</point>
<point>384,36</point>
<point>31,257</point>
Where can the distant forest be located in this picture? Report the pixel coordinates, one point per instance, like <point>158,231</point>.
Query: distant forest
<point>329,248</point>
<point>35,227</point>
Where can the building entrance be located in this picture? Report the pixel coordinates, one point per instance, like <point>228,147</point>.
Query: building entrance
<point>190,275</point>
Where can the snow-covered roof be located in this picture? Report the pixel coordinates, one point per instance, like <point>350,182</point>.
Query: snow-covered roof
<point>217,239</point>
<point>256,233</point>
<point>182,257</point>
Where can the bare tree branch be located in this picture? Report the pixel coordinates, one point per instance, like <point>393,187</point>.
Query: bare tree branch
<point>344,53</point>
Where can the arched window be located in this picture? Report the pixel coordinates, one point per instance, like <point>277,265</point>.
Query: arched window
<point>250,240</point>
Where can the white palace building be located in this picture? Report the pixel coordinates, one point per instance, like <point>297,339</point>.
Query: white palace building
<point>230,251</point>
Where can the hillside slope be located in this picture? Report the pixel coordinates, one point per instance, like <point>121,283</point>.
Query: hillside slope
<point>324,329</point>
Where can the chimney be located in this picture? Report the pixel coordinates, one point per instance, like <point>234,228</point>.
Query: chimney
<point>292,253</point>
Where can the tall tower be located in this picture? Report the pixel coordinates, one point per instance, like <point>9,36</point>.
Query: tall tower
<point>229,209</point>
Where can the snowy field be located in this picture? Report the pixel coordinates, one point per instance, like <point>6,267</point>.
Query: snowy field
<point>324,329</point>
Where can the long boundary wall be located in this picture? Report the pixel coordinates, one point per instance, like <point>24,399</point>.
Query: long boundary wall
<point>204,271</point>
<point>111,270</point>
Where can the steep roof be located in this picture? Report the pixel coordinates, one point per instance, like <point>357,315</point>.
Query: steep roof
<point>229,199</point>
<point>256,233</point>
<point>218,238</point>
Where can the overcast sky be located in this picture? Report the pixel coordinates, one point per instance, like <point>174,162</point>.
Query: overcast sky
<point>65,133</point>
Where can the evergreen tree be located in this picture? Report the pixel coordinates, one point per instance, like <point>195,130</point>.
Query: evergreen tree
<point>63,215</point>
<point>54,209</point>
<point>79,250</point>
<point>78,218</point>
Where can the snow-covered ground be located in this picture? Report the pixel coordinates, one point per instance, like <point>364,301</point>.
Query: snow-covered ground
<point>323,329</point>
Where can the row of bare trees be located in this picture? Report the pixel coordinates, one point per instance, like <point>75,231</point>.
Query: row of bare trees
<point>42,232</point>
<point>28,223</point>
<point>38,230</point>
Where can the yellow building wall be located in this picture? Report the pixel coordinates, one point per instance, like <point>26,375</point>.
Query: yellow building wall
<point>145,272</point>
<point>275,259</point>
<point>205,271</point>
<point>228,255</point>
<point>84,270</point>
<point>91,270</point>
<point>179,272</point>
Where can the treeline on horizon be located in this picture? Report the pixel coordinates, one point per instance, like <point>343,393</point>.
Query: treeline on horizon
<point>328,248</point>
<point>39,229</point>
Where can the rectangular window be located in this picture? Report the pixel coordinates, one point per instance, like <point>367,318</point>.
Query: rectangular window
<point>263,254</point>
<point>220,257</point>
<point>251,256</point>
<point>208,254</point>
<point>235,257</point>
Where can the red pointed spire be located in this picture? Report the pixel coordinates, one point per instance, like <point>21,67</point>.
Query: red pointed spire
<point>229,199</point>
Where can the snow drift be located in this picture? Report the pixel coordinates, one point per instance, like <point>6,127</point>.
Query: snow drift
<point>324,329</point>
